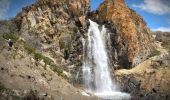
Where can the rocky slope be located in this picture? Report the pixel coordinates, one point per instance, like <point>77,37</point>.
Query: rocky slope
<point>164,38</point>
<point>150,79</point>
<point>55,28</point>
<point>47,52</point>
<point>22,77</point>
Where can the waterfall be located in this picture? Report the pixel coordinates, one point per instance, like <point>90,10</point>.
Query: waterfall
<point>96,70</point>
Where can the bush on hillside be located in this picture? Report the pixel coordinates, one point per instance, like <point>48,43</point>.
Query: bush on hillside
<point>13,36</point>
<point>154,53</point>
<point>55,68</point>
<point>47,61</point>
<point>38,56</point>
<point>29,47</point>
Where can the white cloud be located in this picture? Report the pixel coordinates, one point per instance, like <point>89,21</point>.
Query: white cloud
<point>163,29</point>
<point>4,6</point>
<point>159,7</point>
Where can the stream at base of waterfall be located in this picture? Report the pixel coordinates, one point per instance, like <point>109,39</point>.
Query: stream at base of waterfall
<point>96,70</point>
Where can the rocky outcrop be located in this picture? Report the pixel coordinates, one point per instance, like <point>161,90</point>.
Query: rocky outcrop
<point>54,26</point>
<point>131,41</point>
<point>162,36</point>
<point>149,80</point>
<point>51,21</point>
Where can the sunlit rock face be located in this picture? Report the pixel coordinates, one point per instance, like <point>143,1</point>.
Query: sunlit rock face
<point>45,15</point>
<point>54,26</point>
<point>50,19</point>
<point>57,26</point>
<point>132,41</point>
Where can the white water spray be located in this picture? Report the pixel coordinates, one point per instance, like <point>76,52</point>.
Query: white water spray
<point>96,71</point>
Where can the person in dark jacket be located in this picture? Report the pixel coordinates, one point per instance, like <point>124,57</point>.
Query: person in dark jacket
<point>10,44</point>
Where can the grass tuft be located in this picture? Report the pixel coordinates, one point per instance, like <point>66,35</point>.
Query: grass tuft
<point>2,88</point>
<point>154,53</point>
<point>38,56</point>
<point>55,68</point>
<point>13,36</point>
<point>29,47</point>
<point>47,61</point>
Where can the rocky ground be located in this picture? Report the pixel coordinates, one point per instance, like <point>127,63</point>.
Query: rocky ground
<point>23,77</point>
<point>149,80</point>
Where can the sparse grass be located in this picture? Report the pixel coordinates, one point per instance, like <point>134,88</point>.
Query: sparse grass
<point>47,60</point>
<point>2,88</point>
<point>154,53</point>
<point>55,68</point>
<point>29,47</point>
<point>13,36</point>
<point>166,44</point>
<point>38,56</point>
<point>50,62</point>
<point>9,92</point>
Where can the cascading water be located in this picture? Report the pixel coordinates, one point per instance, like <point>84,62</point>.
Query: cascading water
<point>96,72</point>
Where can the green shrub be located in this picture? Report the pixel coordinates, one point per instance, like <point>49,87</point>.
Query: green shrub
<point>38,56</point>
<point>13,36</point>
<point>29,47</point>
<point>154,53</point>
<point>166,44</point>
<point>2,88</point>
<point>55,68</point>
<point>47,61</point>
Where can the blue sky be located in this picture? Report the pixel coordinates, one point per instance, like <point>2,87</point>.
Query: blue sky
<point>95,4</point>
<point>9,8</point>
<point>155,12</point>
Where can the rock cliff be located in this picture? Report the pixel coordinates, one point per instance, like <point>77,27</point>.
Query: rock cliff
<point>131,41</point>
<point>54,26</point>
<point>63,23</point>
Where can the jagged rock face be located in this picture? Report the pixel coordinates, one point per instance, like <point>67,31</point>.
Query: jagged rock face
<point>58,22</point>
<point>132,40</point>
<point>55,25</point>
<point>50,15</point>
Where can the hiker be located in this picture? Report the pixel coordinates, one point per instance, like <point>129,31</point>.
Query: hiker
<point>10,44</point>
